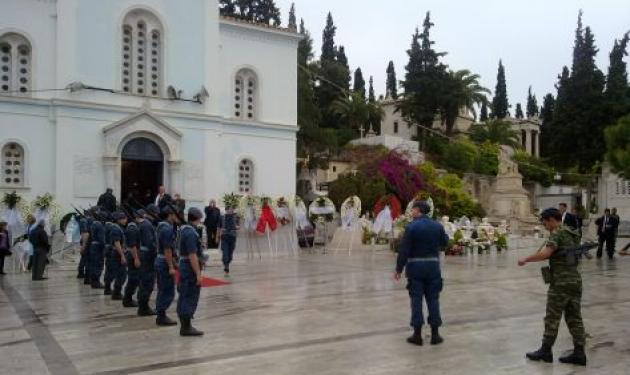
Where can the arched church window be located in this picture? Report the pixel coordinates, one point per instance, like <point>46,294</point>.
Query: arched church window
<point>246,176</point>
<point>142,54</point>
<point>245,94</point>
<point>15,64</point>
<point>12,165</point>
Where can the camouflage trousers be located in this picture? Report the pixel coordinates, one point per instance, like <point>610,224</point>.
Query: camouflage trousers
<point>564,299</point>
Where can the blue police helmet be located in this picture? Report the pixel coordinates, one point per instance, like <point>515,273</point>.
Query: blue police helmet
<point>194,214</point>
<point>153,210</point>
<point>119,215</point>
<point>140,213</point>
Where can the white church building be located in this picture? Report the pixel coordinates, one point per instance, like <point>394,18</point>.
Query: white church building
<point>131,94</point>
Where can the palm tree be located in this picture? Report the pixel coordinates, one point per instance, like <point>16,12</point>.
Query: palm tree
<point>356,111</point>
<point>495,131</point>
<point>464,92</point>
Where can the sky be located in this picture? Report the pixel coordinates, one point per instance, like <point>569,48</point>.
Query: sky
<point>534,38</point>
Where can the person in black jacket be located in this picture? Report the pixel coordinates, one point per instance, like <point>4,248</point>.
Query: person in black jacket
<point>606,230</point>
<point>212,221</point>
<point>39,239</point>
<point>107,201</point>
<point>568,218</point>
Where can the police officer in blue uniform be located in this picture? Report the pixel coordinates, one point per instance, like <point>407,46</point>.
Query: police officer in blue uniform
<point>148,253</point>
<point>132,254</point>
<point>84,230</point>
<point>97,248</point>
<point>165,266</point>
<point>108,277</point>
<point>190,273</point>
<point>119,262</point>
<point>419,254</point>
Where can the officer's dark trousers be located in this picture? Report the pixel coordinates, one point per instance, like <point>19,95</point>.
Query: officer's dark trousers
<point>117,272</point>
<point>165,286</point>
<point>83,263</point>
<point>188,290</point>
<point>133,277</point>
<point>228,243</point>
<point>424,281</point>
<point>40,257</point>
<point>96,262</point>
<point>108,278</point>
<point>147,276</point>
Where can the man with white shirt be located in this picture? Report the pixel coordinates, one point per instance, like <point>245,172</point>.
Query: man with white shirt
<point>162,198</point>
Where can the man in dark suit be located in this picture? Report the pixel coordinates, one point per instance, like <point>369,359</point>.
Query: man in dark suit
<point>107,201</point>
<point>568,219</point>
<point>606,229</point>
<point>162,199</point>
<point>213,218</point>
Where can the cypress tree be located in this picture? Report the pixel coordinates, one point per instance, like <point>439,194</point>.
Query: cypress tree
<point>500,104</point>
<point>519,111</point>
<point>371,96</point>
<point>342,60</point>
<point>616,92</point>
<point>546,132</point>
<point>329,51</point>
<point>483,113</point>
<point>392,84</point>
<point>532,104</point>
<point>359,83</point>
<point>292,18</point>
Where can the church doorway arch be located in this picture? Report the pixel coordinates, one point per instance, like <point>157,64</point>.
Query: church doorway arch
<point>142,171</point>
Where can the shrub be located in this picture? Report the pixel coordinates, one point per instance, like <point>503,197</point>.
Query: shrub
<point>460,155</point>
<point>533,169</point>
<point>369,189</point>
<point>487,162</point>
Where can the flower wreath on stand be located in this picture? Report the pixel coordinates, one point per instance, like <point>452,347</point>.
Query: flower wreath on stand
<point>322,210</point>
<point>231,200</point>
<point>45,208</point>
<point>15,210</point>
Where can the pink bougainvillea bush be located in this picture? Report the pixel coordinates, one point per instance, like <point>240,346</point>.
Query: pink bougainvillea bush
<point>403,178</point>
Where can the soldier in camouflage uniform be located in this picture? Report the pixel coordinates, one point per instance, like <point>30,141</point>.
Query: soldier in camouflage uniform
<point>565,290</point>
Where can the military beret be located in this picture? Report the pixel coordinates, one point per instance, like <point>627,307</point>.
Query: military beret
<point>140,213</point>
<point>551,213</point>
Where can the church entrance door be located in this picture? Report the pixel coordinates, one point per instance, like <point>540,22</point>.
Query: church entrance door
<point>142,171</point>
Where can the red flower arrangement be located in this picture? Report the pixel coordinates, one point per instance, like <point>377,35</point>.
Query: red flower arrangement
<point>394,205</point>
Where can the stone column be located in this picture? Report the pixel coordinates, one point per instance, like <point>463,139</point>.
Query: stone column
<point>111,165</point>
<point>525,141</point>
<point>538,144</point>
<point>175,177</point>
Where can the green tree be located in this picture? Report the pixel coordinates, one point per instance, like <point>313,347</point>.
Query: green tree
<point>519,111</point>
<point>292,18</point>
<point>532,104</point>
<point>425,80</point>
<point>371,96</point>
<point>267,12</point>
<point>464,92</point>
<point>460,155</point>
<point>617,93</point>
<point>483,113</point>
<point>329,51</point>
<point>487,162</point>
<point>355,111</point>
<point>618,146</point>
<point>359,82</point>
<point>533,169</point>
<point>500,104</point>
<point>227,8</point>
<point>546,116</point>
<point>392,83</point>
<point>495,131</point>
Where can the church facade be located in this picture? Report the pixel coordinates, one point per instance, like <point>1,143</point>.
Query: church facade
<point>132,94</point>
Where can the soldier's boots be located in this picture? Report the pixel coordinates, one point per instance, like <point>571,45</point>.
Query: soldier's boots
<point>576,357</point>
<point>416,338</point>
<point>86,280</point>
<point>145,310</point>
<point>108,290</point>
<point>117,295</point>
<point>543,354</point>
<point>163,320</point>
<point>436,339</point>
<point>187,329</point>
<point>129,302</point>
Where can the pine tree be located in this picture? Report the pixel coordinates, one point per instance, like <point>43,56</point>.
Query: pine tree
<point>329,51</point>
<point>292,18</point>
<point>359,83</point>
<point>519,111</point>
<point>392,83</point>
<point>532,104</point>
<point>500,104</point>
<point>342,60</point>
<point>483,113</point>
<point>267,12</point>
<point>426,80</point>
<point>371,96</point>
<point>616,92</point>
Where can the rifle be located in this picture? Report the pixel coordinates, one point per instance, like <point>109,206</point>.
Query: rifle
<point>574,253</point>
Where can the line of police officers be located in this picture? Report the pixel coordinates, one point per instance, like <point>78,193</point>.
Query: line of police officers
<point>154,245</point>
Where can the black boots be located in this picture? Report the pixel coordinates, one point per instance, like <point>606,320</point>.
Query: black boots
<point>97,285</point>
<point>543,354</point>
<point>117,295</point>
<point>129,302</point>
<point>416,338</point>
<point>577,357</point>
<point>436,339</point>
<point>108,290</point>
<point>187,329</point>
<point>164,321</point>
<point>145,310</point>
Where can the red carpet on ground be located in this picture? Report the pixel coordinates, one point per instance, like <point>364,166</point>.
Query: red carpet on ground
<point>207,282</point>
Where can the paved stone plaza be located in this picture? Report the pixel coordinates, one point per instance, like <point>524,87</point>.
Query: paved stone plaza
<point>315,314</point>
